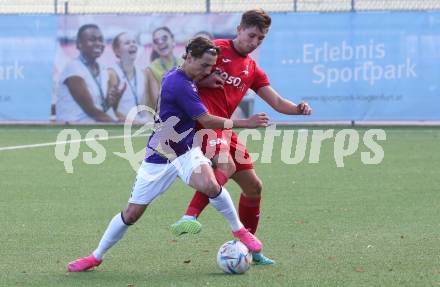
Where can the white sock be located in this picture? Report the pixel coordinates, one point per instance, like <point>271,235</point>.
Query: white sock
<point>223,203</point>
<point>115,231</point>
<point>190,217</point>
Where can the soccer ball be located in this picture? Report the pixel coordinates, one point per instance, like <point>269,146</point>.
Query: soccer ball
<point>234,257</point>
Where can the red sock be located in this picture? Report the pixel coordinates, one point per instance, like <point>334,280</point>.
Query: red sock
<point>220,177</point>
<point>197,204</point>
<point>201,200</point>
<point>249,212</point>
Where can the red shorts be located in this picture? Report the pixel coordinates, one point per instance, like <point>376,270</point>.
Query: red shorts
<point>216,142</point>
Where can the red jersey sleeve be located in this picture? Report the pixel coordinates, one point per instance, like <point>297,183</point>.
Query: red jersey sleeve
<point>260,79</point>
<point>221,43</point>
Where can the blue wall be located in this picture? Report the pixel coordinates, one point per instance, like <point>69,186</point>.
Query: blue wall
<point>27,53</point>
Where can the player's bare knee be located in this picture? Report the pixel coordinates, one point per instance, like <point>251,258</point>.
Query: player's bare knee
<point>228,169</point>
<point>210,187</point>
<point>129,218</point>
<point>254,188</point>
<point>131,214</point>
<point>258,186</point>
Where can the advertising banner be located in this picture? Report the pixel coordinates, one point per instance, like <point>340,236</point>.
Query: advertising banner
<point>348,66</point>
<point>356,66</point>
<point>27,49</point>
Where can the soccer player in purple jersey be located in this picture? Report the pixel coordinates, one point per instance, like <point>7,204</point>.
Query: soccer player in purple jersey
<point>171,153</point>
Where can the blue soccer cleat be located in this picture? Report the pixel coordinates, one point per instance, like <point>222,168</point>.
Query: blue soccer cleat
<point>260,259</point>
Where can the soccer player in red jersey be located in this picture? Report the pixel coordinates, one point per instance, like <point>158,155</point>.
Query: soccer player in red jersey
<point>235,73</point>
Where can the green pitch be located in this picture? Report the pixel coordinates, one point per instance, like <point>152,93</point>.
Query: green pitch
<point>358,225</point>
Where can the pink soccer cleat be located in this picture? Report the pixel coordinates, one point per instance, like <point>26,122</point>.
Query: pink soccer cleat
<point>248,239</point>
<point>83,264</point>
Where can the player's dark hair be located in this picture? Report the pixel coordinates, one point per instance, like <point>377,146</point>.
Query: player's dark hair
<point>83,28</point>
<point>200,45</point>
<point>256,18</point>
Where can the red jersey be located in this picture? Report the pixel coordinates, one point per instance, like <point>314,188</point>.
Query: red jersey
<point>239,72</point>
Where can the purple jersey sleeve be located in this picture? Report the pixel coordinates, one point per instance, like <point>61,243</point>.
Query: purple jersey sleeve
<point>188,99</point>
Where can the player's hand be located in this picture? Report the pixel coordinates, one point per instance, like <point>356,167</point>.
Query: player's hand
<point>214,81</point>
<point>258,120</point>
<point>304,109</point>
<point>114,94</point>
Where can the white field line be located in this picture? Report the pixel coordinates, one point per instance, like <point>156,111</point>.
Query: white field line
<point>409,130</point>
<point>65,142</point>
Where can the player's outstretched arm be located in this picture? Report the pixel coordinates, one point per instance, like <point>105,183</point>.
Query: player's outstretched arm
<point>282,105</point>
<point>214,122</point>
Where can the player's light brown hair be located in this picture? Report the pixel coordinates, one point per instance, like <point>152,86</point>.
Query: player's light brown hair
<point>200,45</point>
<point>256,18</point>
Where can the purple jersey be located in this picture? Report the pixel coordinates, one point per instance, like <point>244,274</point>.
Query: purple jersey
<point>180,105</point>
